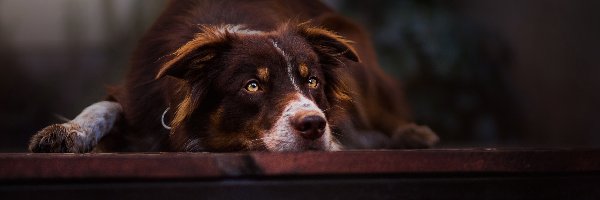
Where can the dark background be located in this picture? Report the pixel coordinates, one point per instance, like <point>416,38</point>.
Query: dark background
<point>480,73</point>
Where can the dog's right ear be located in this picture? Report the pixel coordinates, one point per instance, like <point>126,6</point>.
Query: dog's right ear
<point>196,53</point>
<point>328,42</point>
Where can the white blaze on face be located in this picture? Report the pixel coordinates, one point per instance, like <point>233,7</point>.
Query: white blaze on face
<point>238,29</point>
<point>283,137</point>
<point>288,63</point>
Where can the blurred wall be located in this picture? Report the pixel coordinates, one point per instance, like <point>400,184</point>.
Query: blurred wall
<point>555,66</point>
<point>57,57</point>
<point>502,73</point>
<point>481,73</point>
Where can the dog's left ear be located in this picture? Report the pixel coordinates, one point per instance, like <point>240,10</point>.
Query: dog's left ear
<point>328,42</point>
<point>205,46</point>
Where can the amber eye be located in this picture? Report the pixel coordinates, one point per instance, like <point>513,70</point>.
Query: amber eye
<point>313,82</point>
<point>252,86</point>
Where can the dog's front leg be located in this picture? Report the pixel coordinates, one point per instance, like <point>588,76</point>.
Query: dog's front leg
<point>80,134</point>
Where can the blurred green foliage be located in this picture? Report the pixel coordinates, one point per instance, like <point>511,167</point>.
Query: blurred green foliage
<point>453,71</point>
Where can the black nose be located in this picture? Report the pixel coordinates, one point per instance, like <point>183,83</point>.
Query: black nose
<point>310,127</point>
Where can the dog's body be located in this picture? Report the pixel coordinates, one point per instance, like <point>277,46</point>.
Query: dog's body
<point>246,75</point>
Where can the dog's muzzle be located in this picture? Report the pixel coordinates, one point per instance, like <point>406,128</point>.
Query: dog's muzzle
<point>301,126</point>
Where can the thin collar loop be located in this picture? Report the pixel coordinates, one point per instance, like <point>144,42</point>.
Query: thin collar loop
<point>162,119</point>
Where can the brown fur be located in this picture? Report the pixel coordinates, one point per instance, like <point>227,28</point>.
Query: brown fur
<point>180,64</point>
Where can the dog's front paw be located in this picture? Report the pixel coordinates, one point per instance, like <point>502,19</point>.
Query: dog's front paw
<point>57,138</point>
<point>412,136</point>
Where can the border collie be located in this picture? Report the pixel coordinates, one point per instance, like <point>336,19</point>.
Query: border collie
<point>226,76</point>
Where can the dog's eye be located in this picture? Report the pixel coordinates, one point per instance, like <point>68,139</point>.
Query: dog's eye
<point>313,82</point>
<point>252,86</point>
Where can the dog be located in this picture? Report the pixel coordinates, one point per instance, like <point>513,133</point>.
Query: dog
<point>225,76</point>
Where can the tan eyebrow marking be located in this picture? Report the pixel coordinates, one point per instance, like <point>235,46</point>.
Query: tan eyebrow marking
<point>263,73</point>
<point>303,69</point>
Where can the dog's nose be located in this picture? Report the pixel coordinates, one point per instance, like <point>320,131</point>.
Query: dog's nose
<point>310,127</point>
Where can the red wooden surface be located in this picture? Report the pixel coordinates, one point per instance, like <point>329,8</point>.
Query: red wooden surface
<point>15,166</point>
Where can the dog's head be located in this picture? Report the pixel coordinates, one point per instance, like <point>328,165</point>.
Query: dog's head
<point>252,90</point>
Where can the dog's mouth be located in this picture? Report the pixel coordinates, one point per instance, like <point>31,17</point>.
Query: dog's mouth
<point>302,126</point>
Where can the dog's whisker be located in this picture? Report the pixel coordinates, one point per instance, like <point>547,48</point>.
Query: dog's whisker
<point>335,133</point>
<point>327,109</point>
<point>191,144</point>
<point>340,107</point>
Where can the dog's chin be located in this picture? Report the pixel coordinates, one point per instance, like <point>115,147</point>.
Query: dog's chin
<point>302,146</point>
<point>295,143</point>
<point>317,146</point>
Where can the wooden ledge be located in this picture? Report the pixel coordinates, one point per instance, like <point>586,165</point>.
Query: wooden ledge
<point>136,166</point>
<point>404,174</point>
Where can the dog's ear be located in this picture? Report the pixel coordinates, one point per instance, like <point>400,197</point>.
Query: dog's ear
<point>328,42</point>
<point>205,46</point>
